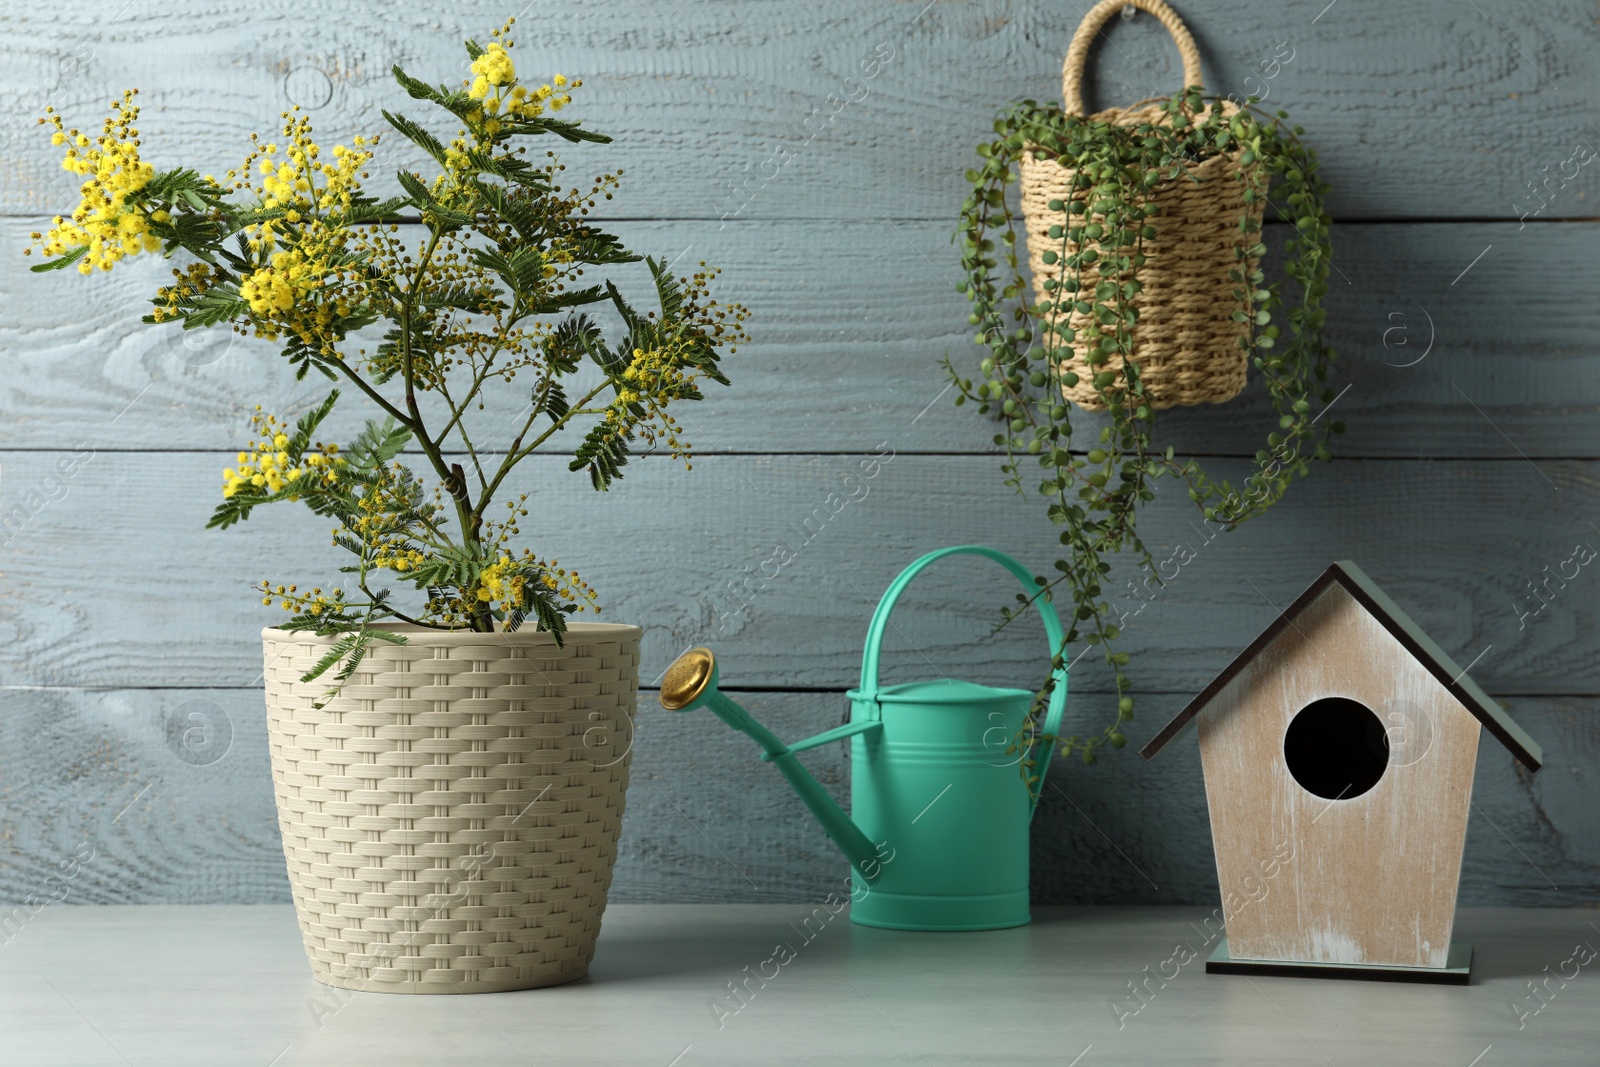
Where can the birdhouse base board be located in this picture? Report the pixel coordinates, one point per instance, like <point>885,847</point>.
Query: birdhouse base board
<point>1456,971</point>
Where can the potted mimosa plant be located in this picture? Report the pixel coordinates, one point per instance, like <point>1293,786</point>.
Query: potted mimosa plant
<point>449,759</point>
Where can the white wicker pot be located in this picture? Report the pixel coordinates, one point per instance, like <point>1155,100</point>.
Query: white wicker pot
<point>450,819</point>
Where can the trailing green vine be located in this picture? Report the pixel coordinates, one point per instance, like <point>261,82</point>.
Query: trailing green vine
<point>1094,494</point>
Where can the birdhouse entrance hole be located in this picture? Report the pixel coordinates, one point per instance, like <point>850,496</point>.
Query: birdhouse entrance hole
<point>1336,748</point>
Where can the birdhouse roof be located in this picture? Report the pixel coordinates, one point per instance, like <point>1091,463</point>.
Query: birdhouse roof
<point>1377,603</point>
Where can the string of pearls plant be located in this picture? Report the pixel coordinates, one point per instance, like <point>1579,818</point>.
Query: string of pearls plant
<point>1094,494</point>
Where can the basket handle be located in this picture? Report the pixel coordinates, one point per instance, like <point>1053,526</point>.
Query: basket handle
<point>1047,612</point>
<point>1089,29</point>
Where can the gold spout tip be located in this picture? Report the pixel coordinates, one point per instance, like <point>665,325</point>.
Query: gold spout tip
<point>687,678</point>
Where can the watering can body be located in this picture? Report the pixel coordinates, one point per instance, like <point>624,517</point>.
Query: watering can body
<point>934,785</point>
<point>950,808</point>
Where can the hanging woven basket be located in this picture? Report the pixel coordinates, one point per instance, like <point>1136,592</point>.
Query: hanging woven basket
<point>1186,343</point>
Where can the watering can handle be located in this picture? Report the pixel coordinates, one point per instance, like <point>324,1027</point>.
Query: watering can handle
<point>1047,612</point>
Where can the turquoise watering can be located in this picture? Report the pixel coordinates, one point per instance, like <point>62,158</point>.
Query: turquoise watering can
<point>939,837</point>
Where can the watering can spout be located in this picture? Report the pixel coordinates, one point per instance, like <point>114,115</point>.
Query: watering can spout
<point>691,683</point>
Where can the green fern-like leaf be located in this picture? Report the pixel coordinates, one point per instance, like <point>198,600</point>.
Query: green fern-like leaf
<point>593,246</point>
<point>576,337</point>
<point>523,211</point>
<point>61,262</point>
<point>378,443</point>
<point>667,291</point>
<point>337,651</point>
<point>236,508</point>
<point>570,131</point>
<point>604,452</point>
<point>417,136</point>
<point>300,440</point>
<point>220,303</point>
<point>424,201</point>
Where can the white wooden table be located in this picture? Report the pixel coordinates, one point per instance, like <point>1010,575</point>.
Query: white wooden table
<point>215,986</point>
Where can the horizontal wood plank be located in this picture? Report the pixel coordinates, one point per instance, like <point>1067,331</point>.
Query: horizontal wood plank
<point>843,109</point>
<point>109,579</point>
<point>849,324</point>
<point>107,775</point>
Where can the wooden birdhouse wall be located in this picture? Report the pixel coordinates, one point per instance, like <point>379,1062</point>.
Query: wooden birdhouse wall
<point>1368,879</point>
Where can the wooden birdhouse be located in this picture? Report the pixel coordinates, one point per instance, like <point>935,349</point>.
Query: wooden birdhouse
<point>1338,753</point>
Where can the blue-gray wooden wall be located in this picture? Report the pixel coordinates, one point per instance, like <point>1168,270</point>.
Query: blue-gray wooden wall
<point>1456,136</point>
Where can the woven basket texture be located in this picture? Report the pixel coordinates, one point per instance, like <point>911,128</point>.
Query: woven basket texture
<point>450,819</point>
<point>1186,342</point>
